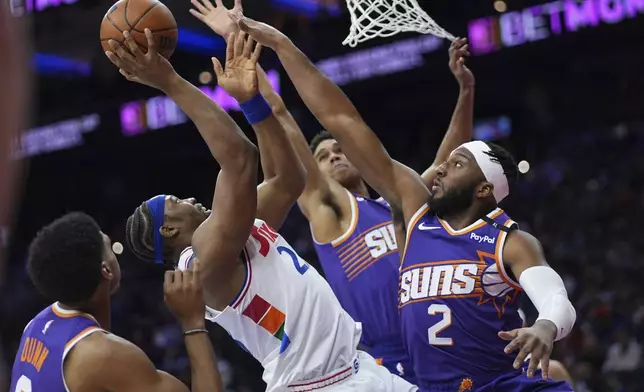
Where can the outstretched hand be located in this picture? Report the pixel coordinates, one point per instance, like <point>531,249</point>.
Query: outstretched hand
<point>537,341</point>
<point>239,78</point>
<point>149,68</point>
<point>458,51</point>
<point>266,35</point>
<point>217,16</point>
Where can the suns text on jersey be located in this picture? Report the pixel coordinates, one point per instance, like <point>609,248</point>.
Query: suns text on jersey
<point>445,279</point>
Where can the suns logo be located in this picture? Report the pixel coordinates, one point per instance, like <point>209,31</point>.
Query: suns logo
<point>457,279</point>
<point>492,282</point>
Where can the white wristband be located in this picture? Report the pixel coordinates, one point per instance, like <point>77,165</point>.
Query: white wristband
<point>546,290</point>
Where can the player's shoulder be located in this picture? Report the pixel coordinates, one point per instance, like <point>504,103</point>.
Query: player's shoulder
<point>116,358</point>
<point>101,350</point>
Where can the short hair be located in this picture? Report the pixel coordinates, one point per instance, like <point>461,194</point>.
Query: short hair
<point>138,233</point>
<point>65,258</point>
<point>506,160</point>
<point>139,236</point>
<point>319,138</point>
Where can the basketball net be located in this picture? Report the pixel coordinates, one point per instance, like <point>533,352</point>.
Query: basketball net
<point>384,18</point>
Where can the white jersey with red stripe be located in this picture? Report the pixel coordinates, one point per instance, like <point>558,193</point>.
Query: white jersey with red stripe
<point>288,318</point>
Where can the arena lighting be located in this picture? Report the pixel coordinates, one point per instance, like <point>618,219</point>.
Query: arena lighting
<point>381,60</point>
<point>161,112</point>
<point>21,7</point>
<point>51,64</point>
<point>208,44</point>
<point>543,21</point>
<point>54,137</point>
<point>308,7</point>
<point>189,41</point>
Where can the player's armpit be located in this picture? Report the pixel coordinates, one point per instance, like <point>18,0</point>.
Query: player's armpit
<point>522,251</point>
<point>218,241</point>
<point>108,363</point>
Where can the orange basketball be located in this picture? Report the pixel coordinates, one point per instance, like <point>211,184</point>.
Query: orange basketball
<point>135,16</point>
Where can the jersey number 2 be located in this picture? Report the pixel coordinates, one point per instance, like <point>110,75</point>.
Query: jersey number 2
<point>301,268</point>
<point>23,384</point>
<point>434,330</point>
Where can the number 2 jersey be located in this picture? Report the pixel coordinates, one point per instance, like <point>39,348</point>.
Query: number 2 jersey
<point>286,315</point>
<point>455,296</point>
<point>45,343</point>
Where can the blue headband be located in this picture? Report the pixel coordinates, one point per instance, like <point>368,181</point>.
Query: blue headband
<point>156,205</point>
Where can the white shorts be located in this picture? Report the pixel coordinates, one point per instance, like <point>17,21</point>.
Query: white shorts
<point>363,374</point>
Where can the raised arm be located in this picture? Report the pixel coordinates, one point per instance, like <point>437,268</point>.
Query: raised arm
<point>402,187</point>
<point>460,127</point>
<point>318,190</point>
<point>219,240</point>
<point>283,173</point>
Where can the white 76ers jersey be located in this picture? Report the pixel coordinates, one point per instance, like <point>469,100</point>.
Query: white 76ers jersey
<point>285,315</point>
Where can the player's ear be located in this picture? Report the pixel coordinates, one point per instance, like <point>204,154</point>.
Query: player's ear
<point>484,190</point>
<point>169,231</point>
<point>106,271</point>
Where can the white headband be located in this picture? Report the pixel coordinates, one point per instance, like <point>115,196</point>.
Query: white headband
<point>492,170</point>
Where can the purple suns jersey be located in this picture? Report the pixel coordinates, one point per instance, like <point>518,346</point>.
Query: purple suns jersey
<point>455,296</point>
<point>362,268</point>
<point>44,344</point>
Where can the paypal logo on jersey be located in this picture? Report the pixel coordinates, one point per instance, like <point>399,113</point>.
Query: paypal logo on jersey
<point>480,239</point>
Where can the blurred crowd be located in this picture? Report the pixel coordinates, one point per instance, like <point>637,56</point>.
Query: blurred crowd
<point>584,201</point>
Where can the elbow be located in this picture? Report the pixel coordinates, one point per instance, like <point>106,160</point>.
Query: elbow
<point>244,158</point>
<point>292,184</point>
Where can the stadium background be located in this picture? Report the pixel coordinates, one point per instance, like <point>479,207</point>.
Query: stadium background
<point>565,97</point>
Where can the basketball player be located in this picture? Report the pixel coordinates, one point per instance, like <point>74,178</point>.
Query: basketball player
<point>257,288</point>
<point>353,234</point>
<point>67,346</point>
<point>462,253</point>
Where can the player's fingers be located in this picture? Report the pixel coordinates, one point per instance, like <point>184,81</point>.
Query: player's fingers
<point>545,365</point>
<point>526,349</point>
<point>256,53</point>
<point>534,361</point>
<point>238,5</point>
<point>120,51</point>
<point>114,59</point>
<point>132,45</point>
<point>515,344</point>
<point>152,44</point>
<point>240,40</point>
<point>248,46</point>
<point>509,335</point>
<point>186,283</point>
<point>197,14</point>
<point>200,7</point>
<point>127,75</point>
<point>230,48</point>
<point>167,281</point>
<point>219,70</point>
<point>212,7</point>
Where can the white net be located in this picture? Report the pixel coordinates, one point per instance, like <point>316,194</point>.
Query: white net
<point>384,18</point>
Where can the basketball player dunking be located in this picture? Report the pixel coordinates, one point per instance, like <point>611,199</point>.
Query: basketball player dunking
<point>67,346</point>
<point>256,287</point>
<point>353,234</point>
<point>464,260</point>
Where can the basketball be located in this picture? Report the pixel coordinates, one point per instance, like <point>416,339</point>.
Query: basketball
<point>135,16</point>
